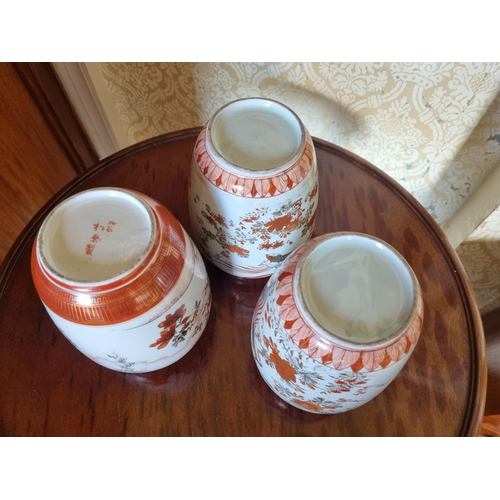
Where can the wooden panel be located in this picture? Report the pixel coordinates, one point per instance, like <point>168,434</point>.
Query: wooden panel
<point>34,165</point>
<point>44,87</point>
<point>491,323</point>
<point>490,426</point>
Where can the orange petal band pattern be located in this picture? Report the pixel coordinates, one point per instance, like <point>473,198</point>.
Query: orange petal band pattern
<point>251,187</point>
<point>327,352</point>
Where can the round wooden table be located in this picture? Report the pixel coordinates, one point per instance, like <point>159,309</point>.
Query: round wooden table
<point>48,388</point>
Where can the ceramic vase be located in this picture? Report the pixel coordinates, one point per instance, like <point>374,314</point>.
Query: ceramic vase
<point>253,188</point>
<point>121,279</point>
<point>337,322</point>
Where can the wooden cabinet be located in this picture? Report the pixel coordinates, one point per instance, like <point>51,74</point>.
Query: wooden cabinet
<point>42,145</point>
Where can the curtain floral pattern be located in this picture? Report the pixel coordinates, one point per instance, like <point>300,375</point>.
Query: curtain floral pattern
<point>433,127</point>
<point>480,254</point>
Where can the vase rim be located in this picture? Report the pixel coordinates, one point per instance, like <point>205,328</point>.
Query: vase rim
<point>163,269</point>
<point>138,253</point>
<point>293,124</point>
<point>303,296</point>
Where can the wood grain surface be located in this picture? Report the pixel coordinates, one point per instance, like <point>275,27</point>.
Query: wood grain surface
<point>42,146</point>
<point>491,326</point>
<point>49,388</point>
<point>44,87</point>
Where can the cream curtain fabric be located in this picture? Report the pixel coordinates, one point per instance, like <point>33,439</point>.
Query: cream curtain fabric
<point>433,127</point>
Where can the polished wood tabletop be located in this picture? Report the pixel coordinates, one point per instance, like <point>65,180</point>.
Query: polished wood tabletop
<point>48,388</point>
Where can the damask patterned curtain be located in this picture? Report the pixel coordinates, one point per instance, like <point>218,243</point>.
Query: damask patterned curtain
<point>433,127</point>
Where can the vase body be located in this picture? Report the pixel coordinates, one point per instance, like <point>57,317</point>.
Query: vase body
<point>253,187</point>
<point>121,279</point>
<point>336,322</point>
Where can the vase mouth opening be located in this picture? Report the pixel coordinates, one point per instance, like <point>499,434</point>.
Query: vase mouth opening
<point>96,237</point>
<point>356,290</point>
<point>256,136</point>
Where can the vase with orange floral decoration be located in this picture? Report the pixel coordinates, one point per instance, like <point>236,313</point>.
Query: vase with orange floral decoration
<point>337,322</point>
<point>121,279</point>
<point>253,187</point>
